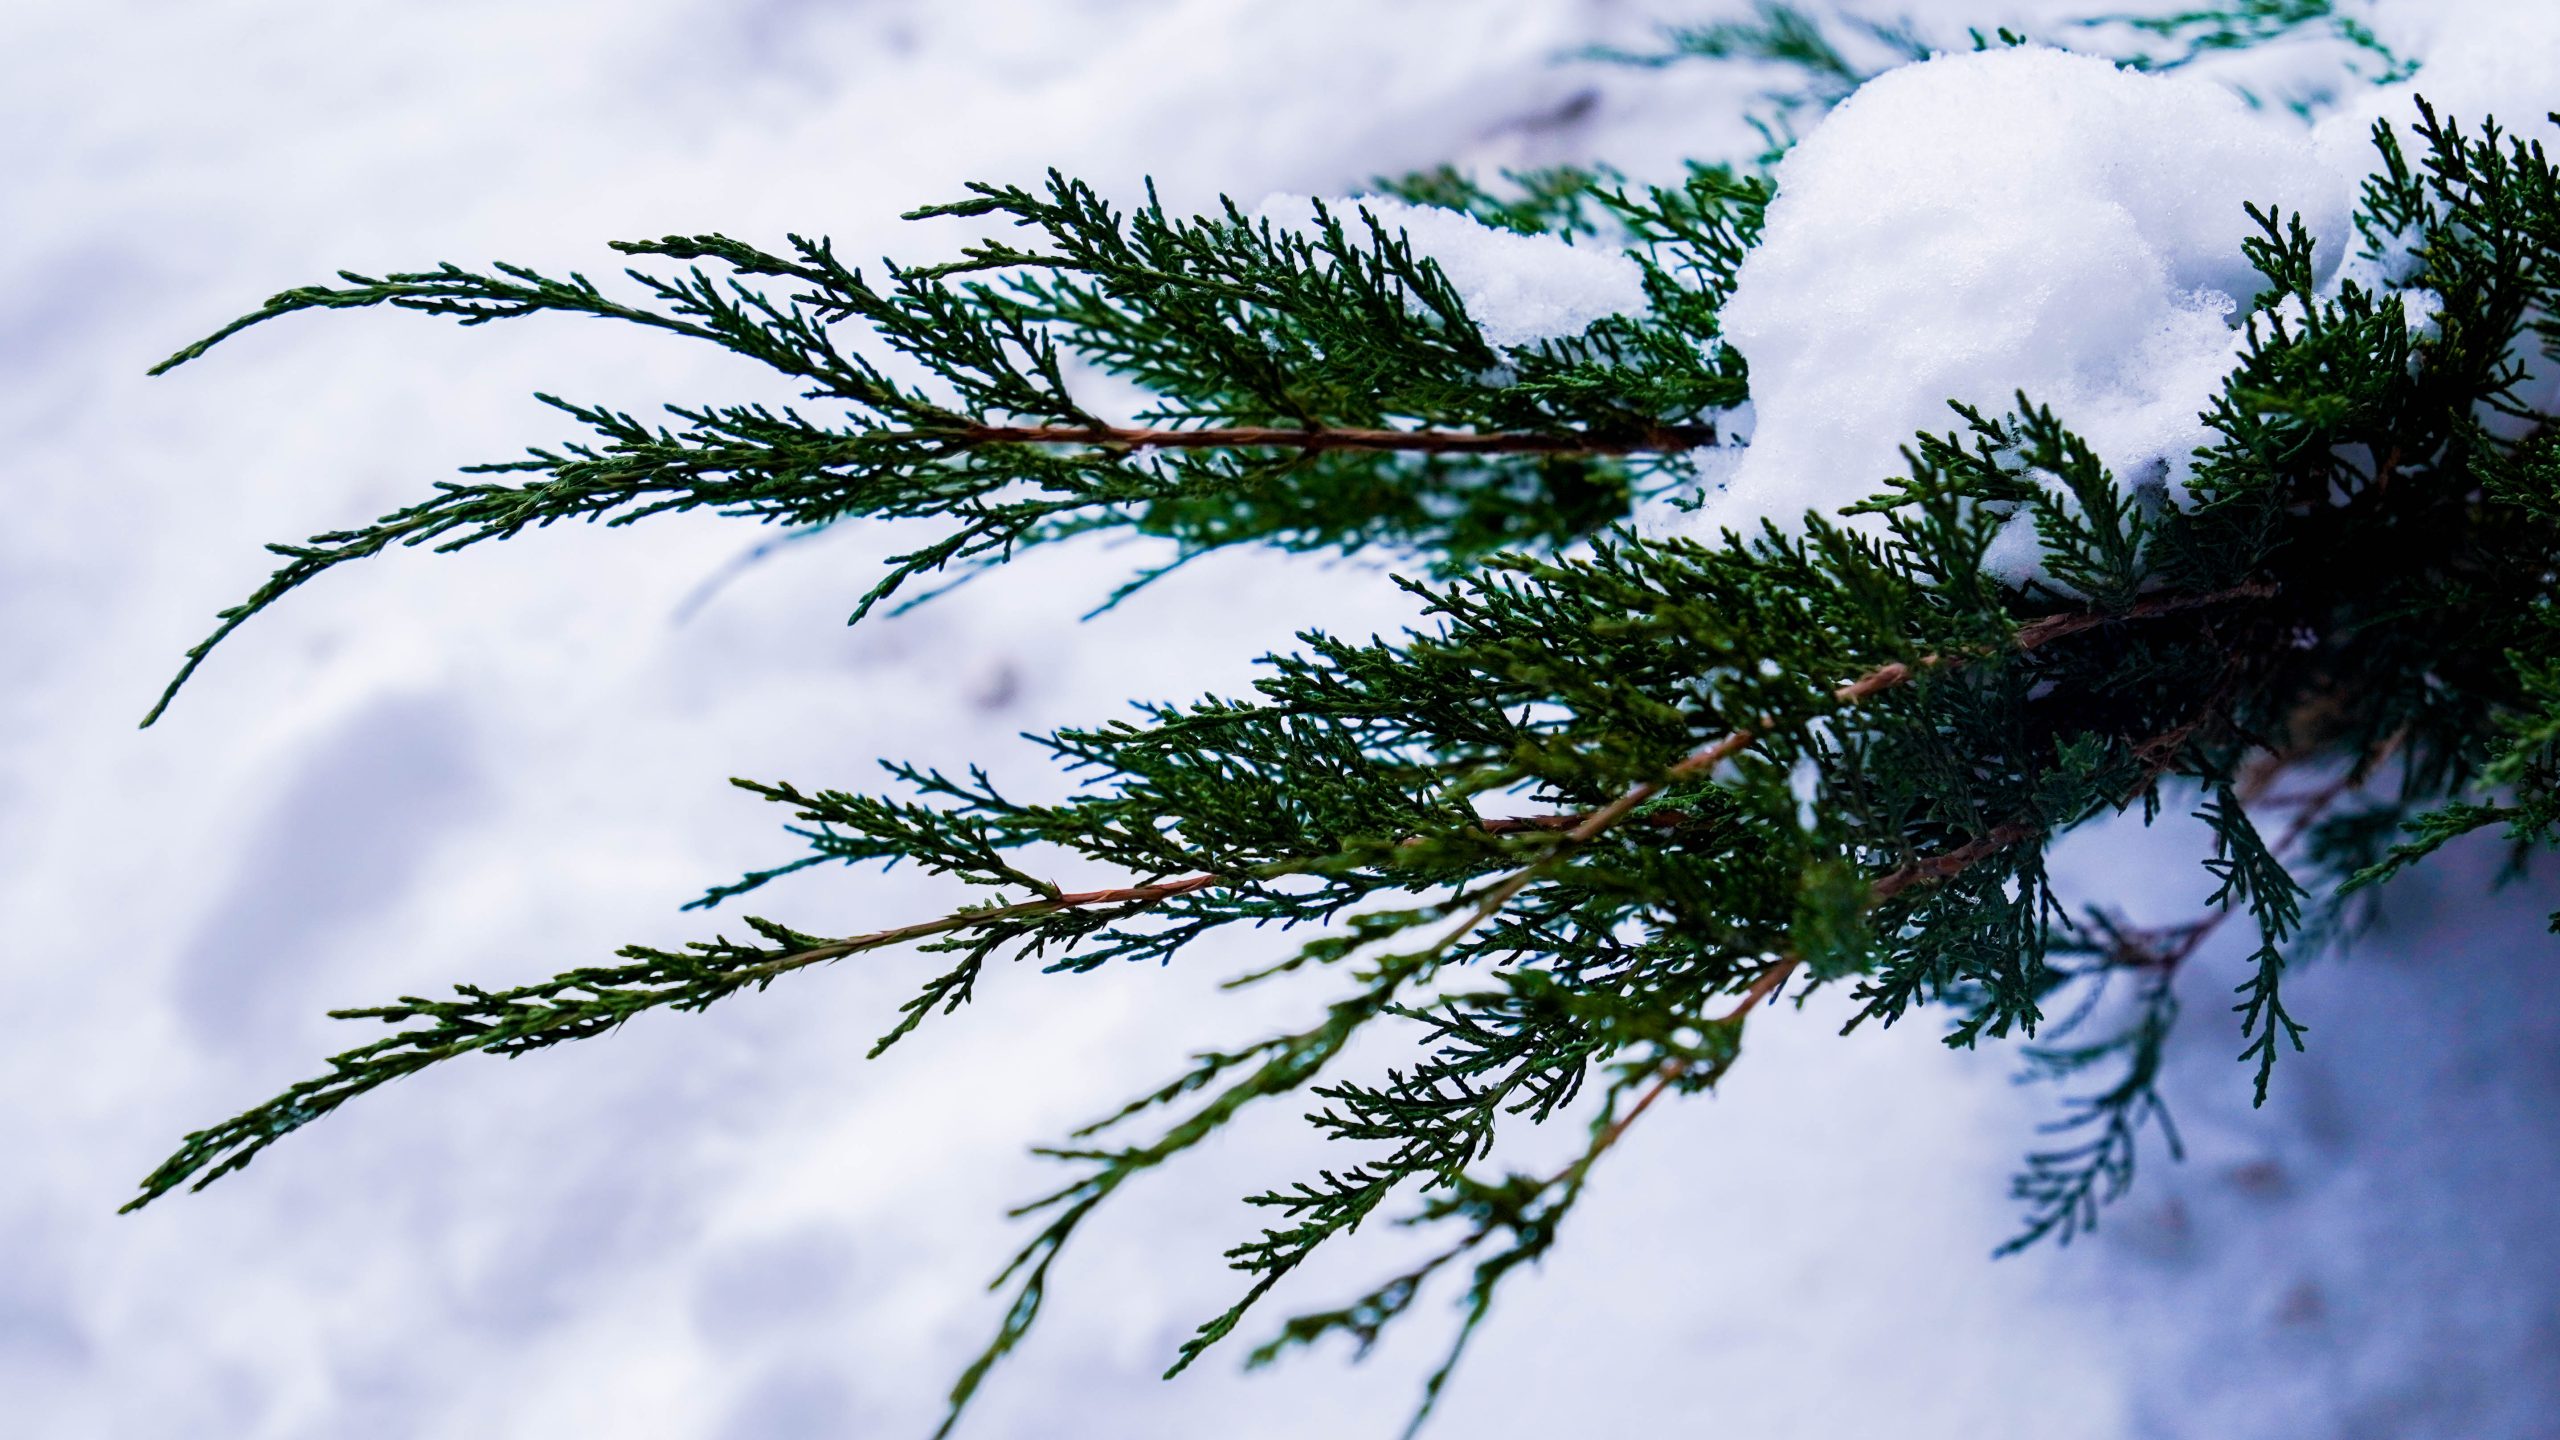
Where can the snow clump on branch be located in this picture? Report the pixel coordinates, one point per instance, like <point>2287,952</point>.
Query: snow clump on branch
<point>2485,60</point>
<point>2020,220</point>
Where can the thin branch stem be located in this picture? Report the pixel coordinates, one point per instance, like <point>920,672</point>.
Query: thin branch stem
<point>1652,439</point>
<point>1134,895</point>
<point>1671,1072</point>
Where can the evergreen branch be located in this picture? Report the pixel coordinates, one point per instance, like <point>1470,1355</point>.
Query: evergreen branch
<point>1323,388</point>
<point>973,448</point>
<point>2065,1188</point>
<point>584,1003</point>
<point>536,1016</point>
<point>1525,1210</point>
<point>574,1006</point>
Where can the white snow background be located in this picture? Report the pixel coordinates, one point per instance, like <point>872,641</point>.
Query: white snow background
<point>493,765</point>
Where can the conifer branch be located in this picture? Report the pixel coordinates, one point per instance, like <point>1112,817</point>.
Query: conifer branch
<point>1882,678</point>
<point>1283,367</point>
<point>2359,568</point>
<point>511,1022</point>
<point>573,1006</point>
<point>1534,1220</point>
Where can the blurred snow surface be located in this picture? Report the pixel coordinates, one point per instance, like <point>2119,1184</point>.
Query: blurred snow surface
<point>490,766</point>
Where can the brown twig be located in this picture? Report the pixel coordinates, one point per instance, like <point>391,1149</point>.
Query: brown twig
<point>977,919</point>
<point>1649,440</point>
<point>1538,824</point>
<point>1671,1072</point>
<point>2053,627</point>
<point>1940,867</point>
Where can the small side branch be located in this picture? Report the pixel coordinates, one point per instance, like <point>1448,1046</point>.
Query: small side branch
<point>1875,682</point>
<point>591,1002</point>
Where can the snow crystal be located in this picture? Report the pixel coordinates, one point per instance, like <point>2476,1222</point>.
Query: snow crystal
<point>1519,289</point>
<point>2017,220</point>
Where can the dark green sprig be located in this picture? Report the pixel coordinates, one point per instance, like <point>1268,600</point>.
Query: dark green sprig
<point>1286,368</point>
<point>2063,1188</point>
<point>1612,792</point>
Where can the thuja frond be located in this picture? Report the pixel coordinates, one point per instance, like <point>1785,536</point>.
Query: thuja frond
<point>2252,877</point>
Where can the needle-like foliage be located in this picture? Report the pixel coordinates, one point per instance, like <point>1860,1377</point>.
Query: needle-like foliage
<point>1616,795</point>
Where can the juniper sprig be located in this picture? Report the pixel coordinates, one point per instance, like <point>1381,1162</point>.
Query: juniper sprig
<point>1616,796</point>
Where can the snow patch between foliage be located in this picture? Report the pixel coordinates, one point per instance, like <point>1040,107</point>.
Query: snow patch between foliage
<point>1979,225</point>
<point>2485,60</point>
<point>1519,289</point>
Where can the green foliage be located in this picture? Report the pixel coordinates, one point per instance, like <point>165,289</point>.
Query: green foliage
<point>2063,1188</point>
<point>1788,37</point>
<point>1221,319</point>
<point>1617,794</point>
<point>1819,54</point>
<point>2251,23</point>
<point>2253,877</point>
<point>1815,59</point>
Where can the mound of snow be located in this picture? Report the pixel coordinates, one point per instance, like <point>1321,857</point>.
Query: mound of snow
<point>2017,220</point>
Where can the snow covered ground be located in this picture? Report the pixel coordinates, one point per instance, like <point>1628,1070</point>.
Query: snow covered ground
<point>492,765</point>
